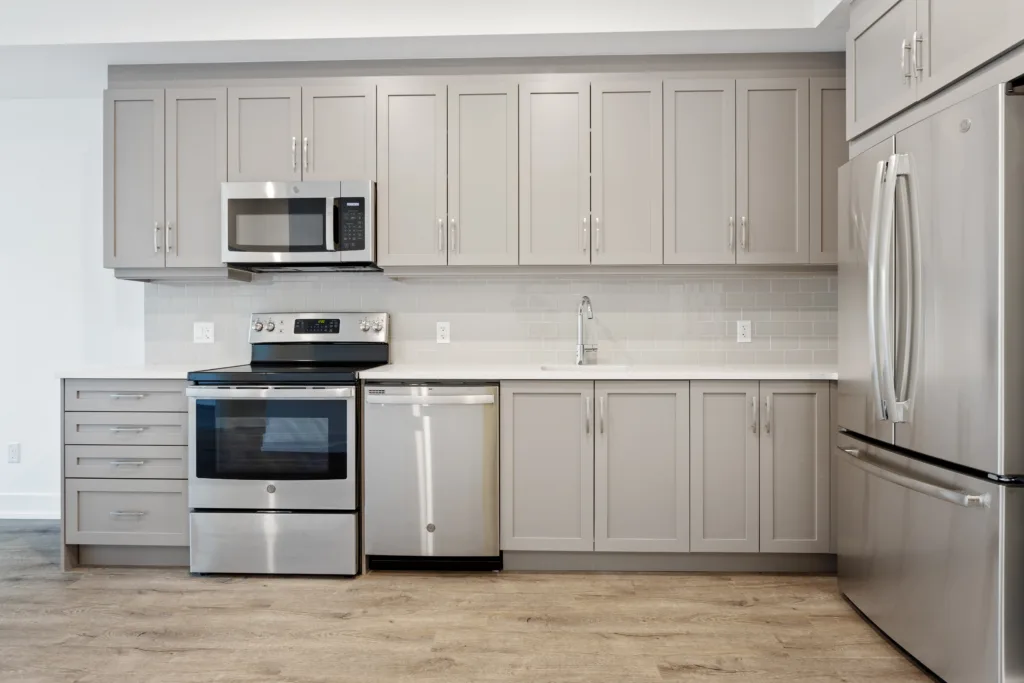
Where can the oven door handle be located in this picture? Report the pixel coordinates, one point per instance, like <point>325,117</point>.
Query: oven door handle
<point>275,393</point>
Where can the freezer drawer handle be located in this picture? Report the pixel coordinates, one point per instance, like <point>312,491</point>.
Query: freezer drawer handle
<point>964,500</point>
<point>487,399</point>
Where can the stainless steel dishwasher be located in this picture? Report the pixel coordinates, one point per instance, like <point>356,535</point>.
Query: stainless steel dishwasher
<point>430,463</point>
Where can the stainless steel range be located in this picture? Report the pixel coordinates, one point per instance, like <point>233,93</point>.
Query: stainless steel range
<point>273,471</point>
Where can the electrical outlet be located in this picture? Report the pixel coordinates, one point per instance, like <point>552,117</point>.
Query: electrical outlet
<point>743,333</point>
<point>444,333</point>
<point>202,333</point>
<point>13,453</point>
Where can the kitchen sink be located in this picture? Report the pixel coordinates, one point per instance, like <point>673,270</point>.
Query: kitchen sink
<point>584,368</point>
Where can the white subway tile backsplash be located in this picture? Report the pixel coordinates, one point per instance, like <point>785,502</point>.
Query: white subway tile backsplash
<point>664,320</point>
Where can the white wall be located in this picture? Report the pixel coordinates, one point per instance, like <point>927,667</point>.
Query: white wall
<point>59,307</point>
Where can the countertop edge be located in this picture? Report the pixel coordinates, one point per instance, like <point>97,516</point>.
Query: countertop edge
<point>635,373</point>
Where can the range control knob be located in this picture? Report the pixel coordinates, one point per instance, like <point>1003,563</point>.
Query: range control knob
<point>364,326</point>
<point>258,326</point>
<point>270,327</point>
<point>378,325</point>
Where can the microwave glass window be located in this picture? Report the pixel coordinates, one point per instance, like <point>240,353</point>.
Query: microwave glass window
<point>276,225</point>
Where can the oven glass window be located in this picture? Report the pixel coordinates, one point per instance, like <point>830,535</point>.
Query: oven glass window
<point>277,225</point>
<point>271,439</point>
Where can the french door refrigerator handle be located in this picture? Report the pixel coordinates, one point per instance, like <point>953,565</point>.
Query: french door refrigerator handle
<point>885,289</point>
<point>912,307</point>
<point>962,498</point>
<point>874,231</point>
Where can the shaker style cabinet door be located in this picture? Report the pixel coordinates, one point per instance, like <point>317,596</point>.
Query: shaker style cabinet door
<point>339,132</point>
<point>264,134</point>
<point>724,467</point>
<point>483,173</point>
<point>700,171</point>
<point>642,467</point>
<point>795,469</point>
<point>554,171</point>
<point>196,149</point>
<point>547,466</point>
<point>772,173</point>
<point>829,151</point>
<point>626,182</point>
<point>133,179</point>
<point>412,167</point>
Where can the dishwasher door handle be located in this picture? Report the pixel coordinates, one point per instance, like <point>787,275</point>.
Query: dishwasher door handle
<point>471,400</point>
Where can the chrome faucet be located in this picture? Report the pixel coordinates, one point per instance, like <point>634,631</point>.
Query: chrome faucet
<point>581,346</point>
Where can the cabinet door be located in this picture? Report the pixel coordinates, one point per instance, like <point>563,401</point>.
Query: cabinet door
<point>547,466</point>
<point>339,132</point>
<point>411,182</point>
<point>483,173</point>
<point>554,172</point>
<point>956,37</point>
<point>196,147</point>
<point>829,151</point>
<point>724,467</point>
<point>626,182</point>
<point>264,127</point>
<point>133,179</point>
<point>772,170</point>
<point>878,56</point>
<point>700,171</point>
<point>642,467</point>
<point>795,468</point>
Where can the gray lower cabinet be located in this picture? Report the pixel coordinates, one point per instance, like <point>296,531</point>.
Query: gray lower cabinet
<point>547,466</point>
<point>642,467</point>
<point>264,131</point>
<point>724,467</point>
<point>126,512</point>
<point>795,467</point>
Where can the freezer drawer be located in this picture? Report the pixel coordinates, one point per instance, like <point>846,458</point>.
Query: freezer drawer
<point>431,471</point>
<point>922,554</point>
<point>274,543</point>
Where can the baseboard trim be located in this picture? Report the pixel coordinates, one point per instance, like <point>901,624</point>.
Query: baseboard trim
<point>132,556</point>
<point>669,562</point>
<point>29,506</point>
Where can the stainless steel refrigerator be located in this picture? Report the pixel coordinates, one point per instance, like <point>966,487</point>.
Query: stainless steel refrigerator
<point>931,388</point>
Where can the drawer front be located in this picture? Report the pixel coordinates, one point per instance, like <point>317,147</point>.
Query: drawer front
<point>126,512</point>
<point>126,462</point>
<point>126,429</point>
<point>125,395</point>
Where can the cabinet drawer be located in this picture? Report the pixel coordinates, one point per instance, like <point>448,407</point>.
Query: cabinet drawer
<point>126,429</point>
<point>126,462</point>
<point>125,395</point>
<point>125,512</point>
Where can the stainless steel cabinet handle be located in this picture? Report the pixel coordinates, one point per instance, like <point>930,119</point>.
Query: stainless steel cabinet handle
<point>452,235</point>
<point>744,234</point>
<point>133,430</point>
<point>918,47</point>
<point>305,154</point>
<point>156,237</point>
<point>962,498</point>
<point>753,414</point>
<point>904,53</point>
<point>440,234</point>
<point>117,397</point>
<point>295,161</point>
<point>169,237</point>
<point>597,234</point>
<point>586,419</point>
<point>732,233</point>
<point>768,414</point>
<point>586,240</point>
<point>601,406</point>
<point>127,463</point>
<point>127,513</point>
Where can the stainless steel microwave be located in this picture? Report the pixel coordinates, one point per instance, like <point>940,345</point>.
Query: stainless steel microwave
<point>299,226</point>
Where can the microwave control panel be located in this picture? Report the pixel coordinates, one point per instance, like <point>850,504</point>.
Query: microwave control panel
<point>352,223</point>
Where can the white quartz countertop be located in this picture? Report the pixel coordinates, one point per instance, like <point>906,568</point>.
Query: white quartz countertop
<point>137,371</point>
<point>404,372</point>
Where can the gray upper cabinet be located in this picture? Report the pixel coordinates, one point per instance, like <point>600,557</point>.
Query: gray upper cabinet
<point>133,179</point>
<point>339,132</point>
<point>724,467</point>
<point>829,151</point>
<point>554,171</point>
<point>412,167</point>
<point>642,467</point>
<point>483,173</point>
<point>547,466</point>
<point>626,181</point>
<point>196,150</point>
<point>264,131</point>
<point>772,174</point>
<point>795,459</point>
<point>700,171</point>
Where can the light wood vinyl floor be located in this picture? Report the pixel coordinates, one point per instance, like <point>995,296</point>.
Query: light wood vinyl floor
<point>144,625</point>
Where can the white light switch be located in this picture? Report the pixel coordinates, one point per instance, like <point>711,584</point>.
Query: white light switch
<point>202,333</point>
<point>743,330</point>
<point>444,333</point>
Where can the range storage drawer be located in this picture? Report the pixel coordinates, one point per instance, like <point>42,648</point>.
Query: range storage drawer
<point>126,512</point>
<point>126,462</point>
<point>125,395</point>
<point>126,429</point>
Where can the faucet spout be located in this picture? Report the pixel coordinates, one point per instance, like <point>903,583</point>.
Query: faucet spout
<point>581,345</point>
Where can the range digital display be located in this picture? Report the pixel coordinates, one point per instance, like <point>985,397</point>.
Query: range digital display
<point>317,326</point>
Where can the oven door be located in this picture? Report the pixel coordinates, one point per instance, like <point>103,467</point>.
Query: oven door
<point>287,448</point>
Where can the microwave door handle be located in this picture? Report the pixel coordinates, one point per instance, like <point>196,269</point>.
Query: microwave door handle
<point>329,213</point>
